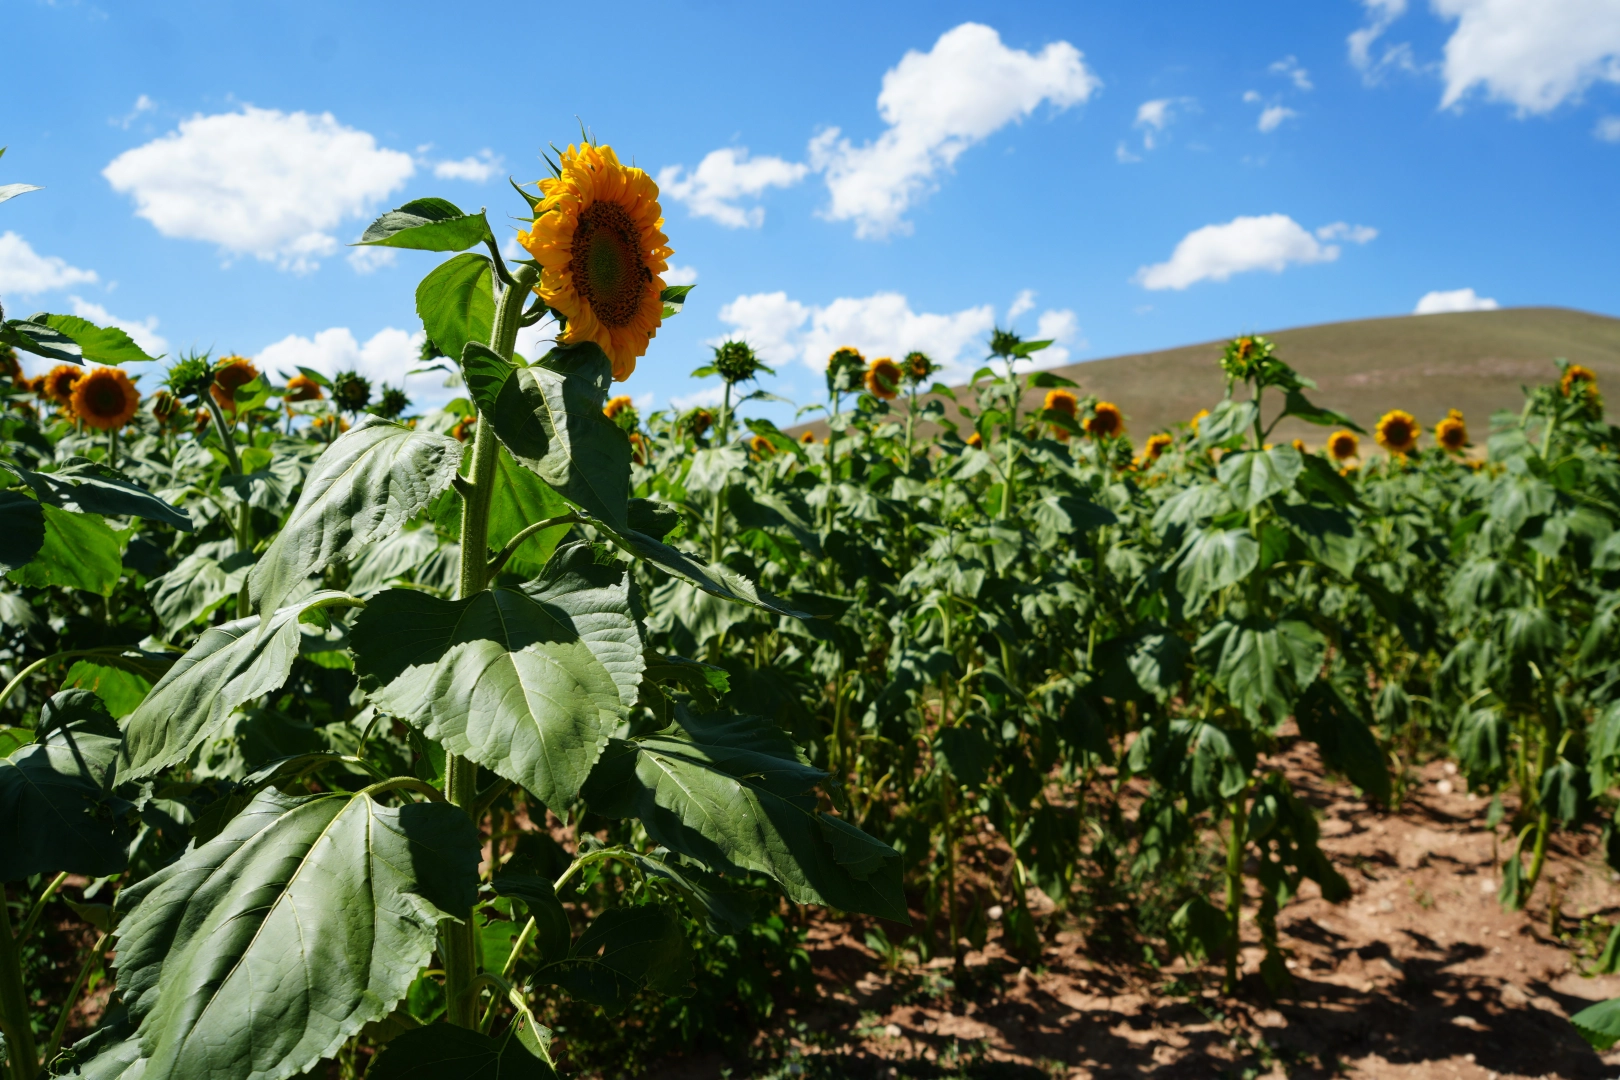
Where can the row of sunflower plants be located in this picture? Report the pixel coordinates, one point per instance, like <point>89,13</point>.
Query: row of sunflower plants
<point>332,736</point>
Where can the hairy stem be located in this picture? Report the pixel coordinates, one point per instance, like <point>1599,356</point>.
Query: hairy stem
<point>21,1054</point>
<point>1235,844</point>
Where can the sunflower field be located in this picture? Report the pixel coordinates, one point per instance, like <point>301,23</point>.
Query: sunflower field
<point>523,737</point>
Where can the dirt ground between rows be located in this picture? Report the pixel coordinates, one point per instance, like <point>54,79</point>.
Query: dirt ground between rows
<point>1419,975</point>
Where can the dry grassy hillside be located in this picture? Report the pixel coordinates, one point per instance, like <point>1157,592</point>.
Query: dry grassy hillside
<point>1425,364</point>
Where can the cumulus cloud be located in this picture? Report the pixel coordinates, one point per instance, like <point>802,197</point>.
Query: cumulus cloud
<point>936,105</point>
<point>1441,302</point>
<point>260,182</point>
<point>722,178</point>
<point>1266,242</point>
<point>1532,54</point>
<point>24,272</point>
<point>476,170</point>
<point>384,358</point>
<point>1273,115</point>
<point>782,329</point>
<point>1381,15</point>
<point>1062,328</point>
<point>143,104</point>
<point>1024,301</point>
<point>1289,68</point>
<point>143,332</point>
<point>1152,117</point>
<point>1608,129</point>
<point>681,275</point>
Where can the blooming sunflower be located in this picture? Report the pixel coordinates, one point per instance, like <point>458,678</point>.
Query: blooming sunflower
<point>975,440</point>
<point>59,382</point>
<point>230,375</point>
<point>698,422</point>
<point>1452,433</point>
<point>1299,444</point>
<point>1573,374</point>
<point>302,388</point>
<point>597,238</point>
<point>1156,445</point>
<point>1105,421</point>
<point>1062,401</point>
<point>1398,431</point>
<point>808,437</point>
<point>883,378</point>
<point>616,405</point>
<point>464,427</point>
<point>105,399</point>
<point>1343,445</point>
<point>762,446</point>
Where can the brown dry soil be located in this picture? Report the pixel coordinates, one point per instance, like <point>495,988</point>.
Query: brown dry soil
<point>1419,975</point>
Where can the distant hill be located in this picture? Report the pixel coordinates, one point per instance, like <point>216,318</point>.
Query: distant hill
<point>1475,361</point>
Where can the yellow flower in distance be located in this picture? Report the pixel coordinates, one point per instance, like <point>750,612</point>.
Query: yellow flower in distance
<point>1105,421</point>
<point>105,399</point>
<point>762,446</point>
<point>616,405</point>
<point>1573,374</point>
<point>1156,445</point>
<point>1299,444</point>
<point>597,237</point>
<point>1398,431</point>
<point>1197,417</point>
<point>58,385</point>
<point>230,375</point>
<point>1452,433</point>
<point>1343,445</point>
<point>808,437</point>
<point>1062,401</point>
<point>302,388</point>
<point>883,378</point>
<point>975,440</point>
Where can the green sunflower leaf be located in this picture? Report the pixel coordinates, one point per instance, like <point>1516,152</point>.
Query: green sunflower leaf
<point>456,304</point>
<point>428,225</point>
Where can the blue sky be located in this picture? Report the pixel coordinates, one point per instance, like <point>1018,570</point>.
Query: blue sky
<point>1126,176</point>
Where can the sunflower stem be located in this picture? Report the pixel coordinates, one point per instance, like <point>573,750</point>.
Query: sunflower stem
<point>24,1060</point>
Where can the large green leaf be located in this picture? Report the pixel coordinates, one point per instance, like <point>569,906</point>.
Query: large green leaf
<point>549,415</point>
<point>1221,762</point>
<point>714,579</point>
<point>519,500</point>
<point>257,954</point>
<point>229,665</point>
<point>98,344</point>
<point>55,811</point>
<point>1263,666</point>
<point>1326,718</point>
<point>1253,476</point>
<point>1599,1024</point>
<point>624,951</point>
<point>366,486</point>
<point>456,304</point>
<point>79,551</point>
<point>90,487</point>
<point>1328,533</point>
<point>527,682</point>
<point>734,793</point>
<point>41,340</point>
<point>22,529</point>
<point>119,687</point>
<point>1297,404</point>
<point>1227,421</point>
<point>428,225</point>
<point>196,586</point>
<point>445,1052</point>
<point>1212,560</point>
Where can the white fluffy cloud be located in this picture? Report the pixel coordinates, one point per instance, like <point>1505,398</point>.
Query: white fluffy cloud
<point>1607,129</point>
<point>1062,328</point>
<point>384,358</point>
<point>1024,301</point>
<point>1152,117</point>
<point>1381,15</point>
<point>722,178</point>
<point>1532,54</point>
<point>936,105</point>
<point>143,332</point>
<point>1272,116</point>
<point>782,329</point>
<point>1440,302</point>
<point>681,275</point>
<point>24,272</point>
<point>260,182</point>
<point>1266,242</point>
<point>1289,68</point>
<point>477,169</point>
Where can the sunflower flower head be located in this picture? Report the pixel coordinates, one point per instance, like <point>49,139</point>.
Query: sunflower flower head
<point>165,406</point>
<point>9,365</point>
<point>975,440</point>
<point>1343,445</point>
<point>846,370</point>
<point>1198,417</point>
<point>1452,433</point>
<point>464,427</point>
<point>1246,357</point>
<point>698,422</point>
<point>1063,401</point>
<point>1156,445</point>
<point>1105,421</point>
<point>351,391</point>
<point>761,446</point>
<point>59,383</point>
<point>392,404</point>
<point>622,411</point>
<point>1398,431</point>
<point>808,437</point>
<point>737,362</point>
<point>883,378</point>
<point>1574,375</point>
<point>1004,343</point>
<point>105,399</point>
<point>918,366</point>
<point>303,388</point>
<point>190,378</point>
<point>597,235</point>
<point>230,375</point>
<point>640,452</point>
<point>1299,444</point>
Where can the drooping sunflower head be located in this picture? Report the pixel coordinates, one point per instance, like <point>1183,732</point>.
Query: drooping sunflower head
<point>165,406</point>
<point>200,420</point>
<point>597,235</point>
<point>392,404</point>
<point>303,388</point>
<point>1156,445</point>
<point>919,366</point>
<point>640,452</point>
<point>1299,444</point>
<point>761,446</point>
<point>351,391</point>
<point>230,375</point>
<point>59,382</point>
<point>622,411</point>
<point>1574,374</point>
<point>883,378</point>
<point>846,370</point>
<point>737,362</point>
<point>1398,431</point>
<point>698,422</point>
<point>1452,433</point>
<point>9,365</point>
<point>1105,421</point>
<point>464,427</point>
<point>105,399</point>
<point>1343,445</point>
<point>1198,417</point>
<point>190,378</point>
